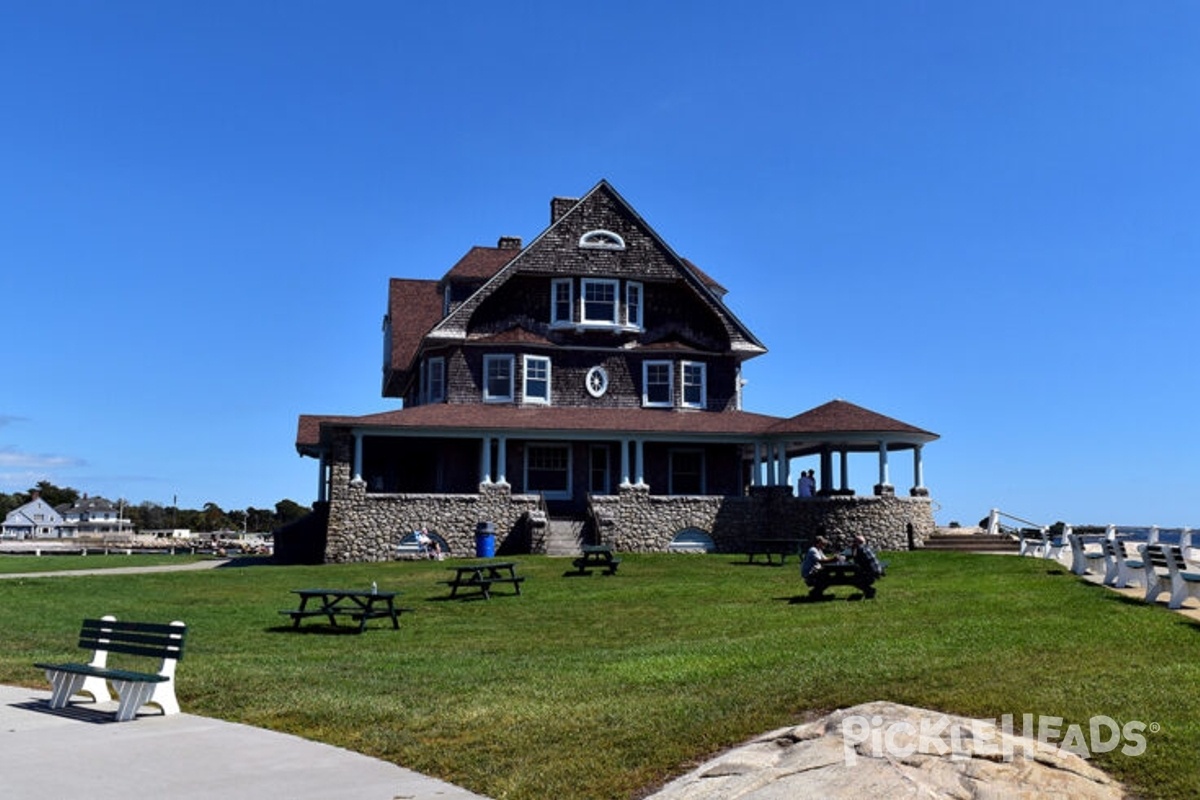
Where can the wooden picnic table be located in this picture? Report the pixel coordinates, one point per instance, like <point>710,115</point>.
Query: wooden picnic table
<point>771,547</point>
<point>358,604</point>
<point>481,576</point>
<point>596,557</point>
<point>841,573</point>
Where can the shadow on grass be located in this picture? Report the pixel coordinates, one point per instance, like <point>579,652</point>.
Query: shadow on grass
<point>318,630</point>
<point>250,561</point>
<point>807,599</point>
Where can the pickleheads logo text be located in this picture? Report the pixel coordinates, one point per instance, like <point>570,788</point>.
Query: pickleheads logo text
<point>959,739</point>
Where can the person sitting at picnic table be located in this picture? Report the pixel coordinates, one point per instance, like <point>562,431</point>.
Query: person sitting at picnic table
<point>814,558</point>
<point>864,558</point>
<point>428,545</point>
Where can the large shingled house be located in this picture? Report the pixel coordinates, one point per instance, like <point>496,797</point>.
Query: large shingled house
<point>586,386</point>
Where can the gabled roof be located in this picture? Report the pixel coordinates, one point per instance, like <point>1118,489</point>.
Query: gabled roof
<point>455,325</point>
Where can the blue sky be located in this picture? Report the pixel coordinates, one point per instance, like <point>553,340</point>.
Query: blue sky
<point>979,218</point>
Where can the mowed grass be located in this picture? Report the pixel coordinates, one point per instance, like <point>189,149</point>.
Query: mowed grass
<point>16,565</point>
<point>604,687</point>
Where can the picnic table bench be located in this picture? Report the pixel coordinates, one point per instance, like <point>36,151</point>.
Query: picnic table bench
<point>481,577</point>
<point>358,604</point>
<point>772,547</point>
<point>596,557</point>
<point>841,573</point>
<point>134,689</point>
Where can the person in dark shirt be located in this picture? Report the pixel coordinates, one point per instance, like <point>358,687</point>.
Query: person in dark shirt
<point>864,558</point>
<point>869,568</point>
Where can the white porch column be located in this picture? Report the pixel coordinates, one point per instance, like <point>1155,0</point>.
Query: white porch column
<point>918,472</point>
<point>785,474</point>
<point>883,464</point>
<point>625,462</point>
<point>501,460</point>
<point>485,460</point>
<point>826,470</point>
<point>845,465</point>
<point>756,472</point>
<point>639,462</point>
<point>358,444</point>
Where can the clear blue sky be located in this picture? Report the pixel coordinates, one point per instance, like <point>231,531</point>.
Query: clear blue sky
<point>979,218</point>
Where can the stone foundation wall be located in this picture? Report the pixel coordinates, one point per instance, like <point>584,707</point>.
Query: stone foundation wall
<point>367,527</point>
<point>636,521</point>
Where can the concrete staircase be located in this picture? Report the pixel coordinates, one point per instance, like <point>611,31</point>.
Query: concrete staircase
<point>564,536</point>
<point>970,540</point>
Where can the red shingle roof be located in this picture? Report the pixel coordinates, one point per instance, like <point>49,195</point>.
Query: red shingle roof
<point>414,307</point>
<point>838,416</point>
<point>481,263</point>
<point>829,420</point>
<point>450,416</point>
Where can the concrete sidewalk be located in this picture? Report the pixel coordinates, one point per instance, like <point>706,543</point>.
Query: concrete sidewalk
<point>81,752</point>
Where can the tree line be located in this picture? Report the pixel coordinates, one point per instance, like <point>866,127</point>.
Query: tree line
<point>153,516</point>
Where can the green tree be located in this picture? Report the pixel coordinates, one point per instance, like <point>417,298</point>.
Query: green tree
<point>214,518</point>
<point>288,511</point>
<point>260,519</point>
<point>55,495</point>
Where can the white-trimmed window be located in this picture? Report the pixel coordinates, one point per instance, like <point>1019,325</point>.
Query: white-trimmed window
<point>687,472</point>
<point>537,379</point>
<point>599,301</point>
<point>562,301</point>
<point>601,240</point>
<point>657,383</point>
<point>497,379</point>
<point>694,375</point>
<point>548,470</point>
<point>633,304</point>
<point>435,380</point>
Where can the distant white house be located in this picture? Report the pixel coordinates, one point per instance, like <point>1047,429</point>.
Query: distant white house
<point>37,519</point>
<point>167,533</point>
<point>93,516</point>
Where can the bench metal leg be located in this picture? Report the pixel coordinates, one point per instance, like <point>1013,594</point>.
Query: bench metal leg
<point>135,694</point>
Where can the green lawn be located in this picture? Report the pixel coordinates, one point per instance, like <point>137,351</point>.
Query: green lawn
<point>10,565</point>
<point>599,686</point>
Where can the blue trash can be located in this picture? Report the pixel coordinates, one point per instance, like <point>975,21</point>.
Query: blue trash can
<point>485,539</point>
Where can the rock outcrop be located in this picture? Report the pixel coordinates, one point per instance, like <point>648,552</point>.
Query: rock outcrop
<point>889,750</point>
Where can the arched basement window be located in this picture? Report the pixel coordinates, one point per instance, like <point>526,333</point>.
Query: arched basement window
<point>602,240</point>
<point>691,540</point>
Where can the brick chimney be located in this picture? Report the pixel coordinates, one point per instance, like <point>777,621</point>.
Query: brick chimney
<point>559,206</point>
<point>509,243</point>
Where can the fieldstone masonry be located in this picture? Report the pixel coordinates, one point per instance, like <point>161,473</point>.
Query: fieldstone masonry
<point>367,527</point>
<point>636,521</point>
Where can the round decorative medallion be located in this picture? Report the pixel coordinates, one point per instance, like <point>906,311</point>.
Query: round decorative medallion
<point>596,381</point>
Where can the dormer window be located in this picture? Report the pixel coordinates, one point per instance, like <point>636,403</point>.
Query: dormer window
<point>599,301</point>
<point>633,304</point>
<point>601,240</point>
<point>562,301</point>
